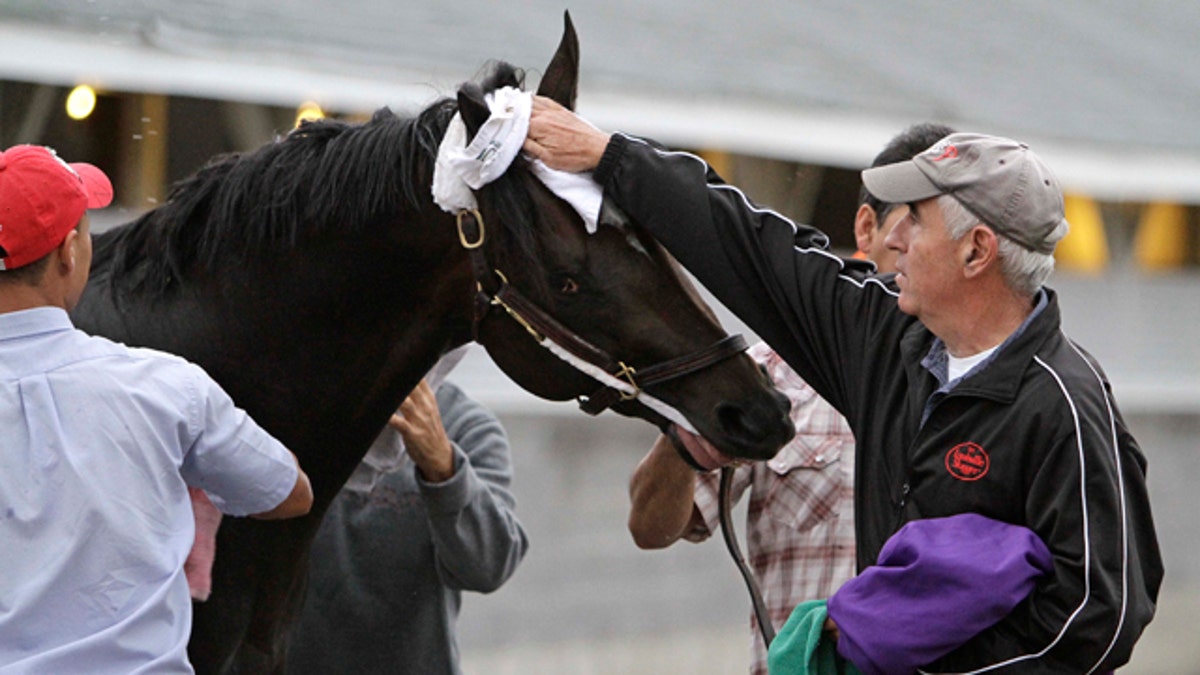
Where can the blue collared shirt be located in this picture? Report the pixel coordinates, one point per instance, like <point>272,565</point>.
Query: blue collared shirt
<point>98,443</point>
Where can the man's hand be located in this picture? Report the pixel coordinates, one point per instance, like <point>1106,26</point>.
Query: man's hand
<point>562,139</point>
<point>831,628</point>
<point>425,440</point>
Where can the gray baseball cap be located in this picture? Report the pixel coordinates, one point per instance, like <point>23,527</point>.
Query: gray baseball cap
<point>1001,181</point>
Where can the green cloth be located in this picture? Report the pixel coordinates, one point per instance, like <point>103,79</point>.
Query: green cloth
<point>802,647</point>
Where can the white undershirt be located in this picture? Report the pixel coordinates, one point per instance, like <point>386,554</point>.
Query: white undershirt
<point>961,366</point>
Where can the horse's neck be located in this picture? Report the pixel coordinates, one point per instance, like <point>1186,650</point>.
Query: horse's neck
<point>318,351</point>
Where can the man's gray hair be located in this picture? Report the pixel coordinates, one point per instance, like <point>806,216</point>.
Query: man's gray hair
<point>1024,271</point>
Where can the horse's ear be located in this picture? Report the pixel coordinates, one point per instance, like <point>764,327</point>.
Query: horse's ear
<point>472,107</point>
<point>562,75</point>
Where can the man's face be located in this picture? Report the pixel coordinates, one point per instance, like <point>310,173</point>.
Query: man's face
<point>926,259</point>
<point>877,251</point>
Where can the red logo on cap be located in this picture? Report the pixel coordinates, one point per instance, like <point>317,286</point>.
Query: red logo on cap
<point>967,461</point>
<point>949,152</point>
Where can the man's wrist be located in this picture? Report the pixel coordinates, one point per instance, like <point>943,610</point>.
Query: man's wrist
<point>614,150</point>
<point>437,472</point>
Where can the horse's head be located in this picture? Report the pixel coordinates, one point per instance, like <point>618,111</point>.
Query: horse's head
<point>610,307</point>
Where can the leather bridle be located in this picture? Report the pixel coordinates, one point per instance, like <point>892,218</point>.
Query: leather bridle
<point>493,290</point>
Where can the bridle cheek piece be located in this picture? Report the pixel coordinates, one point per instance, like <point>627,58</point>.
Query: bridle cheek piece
<point>493,290</point>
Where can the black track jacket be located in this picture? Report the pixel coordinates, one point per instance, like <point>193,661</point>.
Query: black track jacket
<point>1032,439</point>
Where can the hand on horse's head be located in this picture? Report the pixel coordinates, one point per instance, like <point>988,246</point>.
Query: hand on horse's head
<point>562,139</point>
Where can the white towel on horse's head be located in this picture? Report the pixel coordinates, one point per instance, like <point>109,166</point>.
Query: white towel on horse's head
<point>450,191</point>
<point>579,190</point>
<point>496,143</point>
<point>462,167</point>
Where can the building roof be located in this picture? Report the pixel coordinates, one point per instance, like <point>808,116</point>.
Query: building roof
<point>1105,90</point>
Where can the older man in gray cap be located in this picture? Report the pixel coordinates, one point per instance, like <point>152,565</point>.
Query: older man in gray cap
<point>963,393</point>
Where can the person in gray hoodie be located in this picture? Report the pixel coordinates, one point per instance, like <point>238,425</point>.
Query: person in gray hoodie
<point>405,537</point>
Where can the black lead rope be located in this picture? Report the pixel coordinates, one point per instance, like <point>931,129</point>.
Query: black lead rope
<point>760,608</point>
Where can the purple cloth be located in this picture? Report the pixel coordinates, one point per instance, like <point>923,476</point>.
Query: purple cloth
<point>938,582</point>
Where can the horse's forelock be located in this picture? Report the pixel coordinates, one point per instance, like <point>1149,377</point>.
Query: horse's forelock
<point>499,74</point>
<point>506,199</point>
<point>509,205</point>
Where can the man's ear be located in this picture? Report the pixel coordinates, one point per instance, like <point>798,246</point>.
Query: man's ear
<point>67,257</point>
<point>981,249</point>
<point>866,227</point>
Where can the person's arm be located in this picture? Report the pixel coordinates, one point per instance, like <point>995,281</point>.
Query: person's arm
<point>243,469</point>
<point>297,503</point>
<point>476,536</point>
<point>661,494</point>
<point>814,308</point>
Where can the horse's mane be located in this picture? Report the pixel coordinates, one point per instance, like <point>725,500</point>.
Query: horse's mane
<point>326,176</point>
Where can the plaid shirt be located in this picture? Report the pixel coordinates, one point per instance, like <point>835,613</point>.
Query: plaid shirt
<point>800,521</point>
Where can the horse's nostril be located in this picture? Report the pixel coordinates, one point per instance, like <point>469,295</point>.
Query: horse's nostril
<point>785,403</point>
<point>732,420</point>
<point>761,429</point>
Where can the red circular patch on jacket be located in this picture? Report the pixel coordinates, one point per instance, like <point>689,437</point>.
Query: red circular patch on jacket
<point>967,461</point>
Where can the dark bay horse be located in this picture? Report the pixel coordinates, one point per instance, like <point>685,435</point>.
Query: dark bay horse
<point>317,282</point>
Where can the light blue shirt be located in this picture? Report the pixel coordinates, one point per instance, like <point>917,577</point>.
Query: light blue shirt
<point>98,443</point>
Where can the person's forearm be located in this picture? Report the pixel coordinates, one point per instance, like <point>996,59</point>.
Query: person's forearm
<point>661,493</point>
<point>476,535</point>
<point>297,503</point>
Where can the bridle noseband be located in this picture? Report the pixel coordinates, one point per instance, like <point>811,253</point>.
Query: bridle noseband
<point>493,290</point>
<point>625,382</point>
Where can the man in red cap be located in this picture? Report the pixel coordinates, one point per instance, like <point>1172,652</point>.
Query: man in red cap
<point>98,444</point>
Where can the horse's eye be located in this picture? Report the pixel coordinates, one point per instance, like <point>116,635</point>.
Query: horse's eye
<point>569,286</point>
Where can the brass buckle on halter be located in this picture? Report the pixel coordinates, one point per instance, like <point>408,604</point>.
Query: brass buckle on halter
<point>628,372</point>
<point>462,236</point>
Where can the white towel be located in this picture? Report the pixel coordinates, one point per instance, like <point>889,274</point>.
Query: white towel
<point>461,168</point>
<point>579,190</point>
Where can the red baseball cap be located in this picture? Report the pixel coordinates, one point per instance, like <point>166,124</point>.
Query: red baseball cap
<point>42,198</point>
